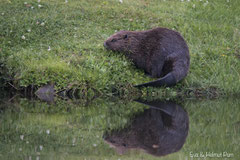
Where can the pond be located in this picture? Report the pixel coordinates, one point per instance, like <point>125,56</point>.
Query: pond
<point>115,129</point>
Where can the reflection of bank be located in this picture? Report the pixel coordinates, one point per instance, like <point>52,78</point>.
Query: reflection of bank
<point>159,131</point>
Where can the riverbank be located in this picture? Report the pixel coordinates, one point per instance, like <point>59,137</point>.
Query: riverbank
<point>62,43</point>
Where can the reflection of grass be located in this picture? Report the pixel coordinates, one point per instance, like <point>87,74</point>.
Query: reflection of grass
<point>62,42</point>
<point>73,131</point>
<point>213,127</point>
<point>61,128</point>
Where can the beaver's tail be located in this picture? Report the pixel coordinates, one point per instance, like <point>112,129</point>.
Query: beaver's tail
<point>168,81</point>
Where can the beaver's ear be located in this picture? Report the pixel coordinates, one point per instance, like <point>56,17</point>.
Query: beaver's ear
<point>125,36</point>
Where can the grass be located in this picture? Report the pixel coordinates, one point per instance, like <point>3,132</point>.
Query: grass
<point>62,43</point>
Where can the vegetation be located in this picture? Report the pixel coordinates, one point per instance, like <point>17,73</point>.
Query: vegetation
<point>61,42</point>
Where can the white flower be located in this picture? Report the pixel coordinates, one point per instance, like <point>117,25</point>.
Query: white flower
<point>205,3</point>
<point>74,140</point>
<point>29,30</point>
<point>3,13</point>
<point>194,6</point>
<point>95,145</point>
<point>41,147</point>
<point>66,1</point>
<point>121,1</point>
<point>42,24</point>
<point>49,48</point>
<point>23,37</point>
<point>39,1</point>
<point>39,5</point>
<point>48,131</point>
<point>20,149</point>
<point>21,137</point>
<point>25,2</point>
<point>32,7</point>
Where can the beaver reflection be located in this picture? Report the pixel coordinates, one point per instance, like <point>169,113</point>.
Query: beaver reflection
<point>159,131</point>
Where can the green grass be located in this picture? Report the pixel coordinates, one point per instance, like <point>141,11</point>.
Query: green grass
<point>63,43</point>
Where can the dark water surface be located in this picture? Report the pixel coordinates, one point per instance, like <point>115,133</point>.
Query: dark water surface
<point>31,129</point>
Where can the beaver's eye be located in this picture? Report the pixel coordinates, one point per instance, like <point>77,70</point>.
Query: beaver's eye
<point>113,40</point>
<point>125,36</point>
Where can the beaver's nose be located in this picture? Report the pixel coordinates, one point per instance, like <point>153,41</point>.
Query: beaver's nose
<point>105,45</point>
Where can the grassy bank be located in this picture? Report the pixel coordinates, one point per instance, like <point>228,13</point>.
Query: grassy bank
<point>62,43</point>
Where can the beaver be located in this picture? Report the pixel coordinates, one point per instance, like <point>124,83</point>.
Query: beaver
<point>160,52</point>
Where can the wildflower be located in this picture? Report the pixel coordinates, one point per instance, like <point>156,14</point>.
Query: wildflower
<point>29,30</point>
<point>194,6</point>
<point>39,5</point>
<point>27,142</point>
<point>42,24</point>
<point>95,145</point>
<point>66,1</point>
<point>49,48</point>
<point>32,7</point>
<point>21,137</point>
<point>121,1</point>
<point>25,3</point>
<point>37,22</point>
<point>20,149</point>
<point>39,1</point>
<point>2,13</point>
<point>205,3</point>
<point>48,131</point>
<point>41,147</point>
<point>73,141</point>
<point>182,0</point>
<point>23,37</point>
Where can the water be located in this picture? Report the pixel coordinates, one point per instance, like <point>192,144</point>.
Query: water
<point>101,129</point>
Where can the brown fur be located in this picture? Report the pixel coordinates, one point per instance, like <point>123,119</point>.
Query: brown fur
<point>160,52</point>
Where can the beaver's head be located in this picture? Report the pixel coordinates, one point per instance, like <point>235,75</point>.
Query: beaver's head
<point>120,41</point>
